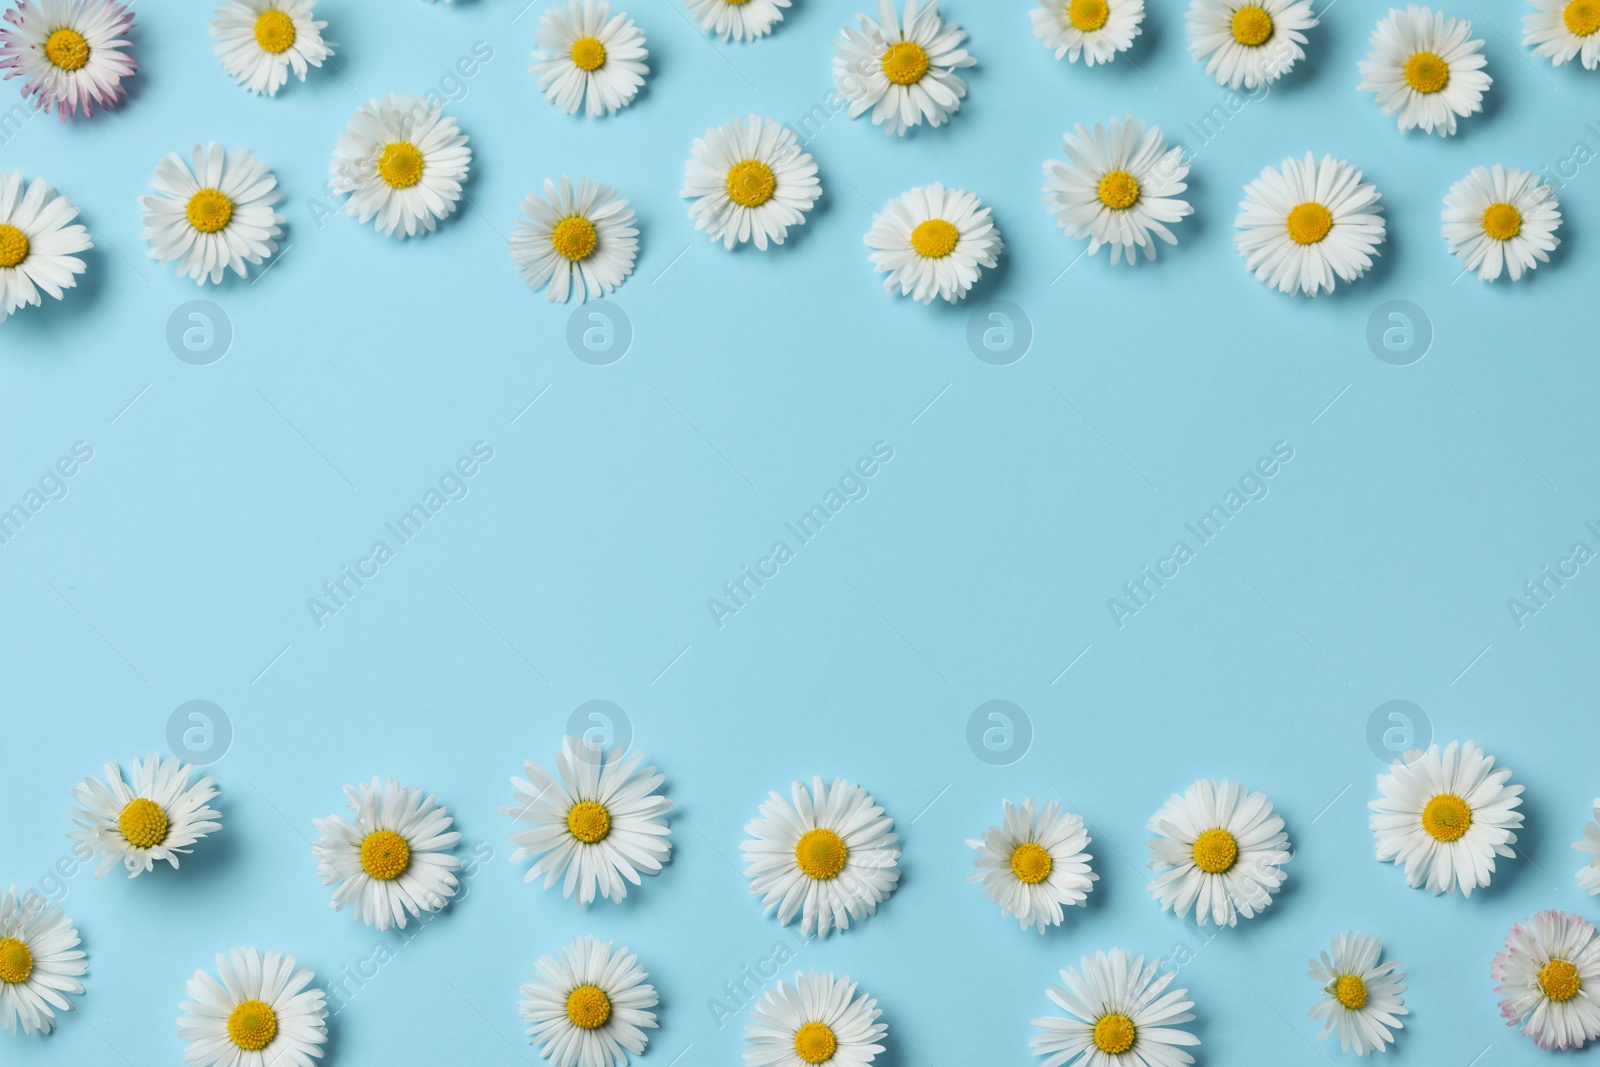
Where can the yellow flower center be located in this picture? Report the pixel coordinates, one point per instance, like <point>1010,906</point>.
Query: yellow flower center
<point>209,210</point>
<point>815,1043</point>
<point>1309,223</point>
<point>574,237</point>
<point>1559,980</point>
<point>751,183</point>
<point>1119,190</point>
<point>1502,221</point>
<point>1252,26</point>
<point>1216,851</point>
<point>1582,17</point>
<point>588,53</point>
<point>1114,1034</point>
<point>588,821</point>
<point>385,855</point>
<point>1350,990</point>
<point>67,49</point>
<point>1031,863</point>
<point>820,854</point>
<point>935,239</point>
<point>16,961</point>
<point>400,164</point>
<point>588,1007</point>
<point>1427,73</point>
<point>252,1025</point>
<point>275,31</point>
<point>13,246</point>
<point>1087,16</point>
<point>905,63</point>
<point>736,3</point>
<point>1446,818</point>
<point>143,823</point>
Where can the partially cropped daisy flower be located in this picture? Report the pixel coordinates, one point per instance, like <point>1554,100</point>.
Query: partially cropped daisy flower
<point>1564,30</point>
<point>214,216</point>
<point>1424,66</point>
<point>1549,975</point>
<point>1117,1006</point>
<point>1501,219</point>
<point>827,854</point>
<point>38,239</point>
<point>260,1010</point>
<point>1360,997</point>
<point>591,1007</point>
<point>260,41</point>
<point>1118,187</point>
<point>588,58</point>
<point>1589,873</point>
<point>818,1020</point>
<point>750,181</point>
<point>1301,227</point>
<point>1220,850</point>
<point>154,818</point>
<point>904,72</point>
<point>934,242</point>
<point>575,241</point>
<point>403,162</point>
<point>40,963</point>
<point>1095,30</point>
<point>1249,43</point>
<point>394,859</point>
<point>737,20</point>
<point>1034,862</point>
<point>73,53</point>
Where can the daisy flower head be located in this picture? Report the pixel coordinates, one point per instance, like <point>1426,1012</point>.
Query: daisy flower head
<point>259,1010</point>
<point>404,162</point>
<point>933,242</point>
<point>1589,873</point>
<point>73,53</point>
<point>393,859</point>
<point>588,58</point>
<point>38,239</point>
<point>1424,66</point>
<point>1119,186</point>
<point>903,71</point>
<point>1312,221</point>
<point>827,854</point>
<point>1501,218</point>
<point>1563,30</point>
<point>1220,851</point>
<point>1095,30</point>
<point>40,963</point>
<point>737,20</point>
<point>1034,863</point>
<point>1117,1005</point>
<point>750,181</point>
<point>575,241</point>
<point>590,1007</point>
<point>1549,975</point>
<point>1360,997</point>
<point>260,41</point>
<point>818,1019</point>
<point>155,817</point>
<point>1249,43</point>
<point>213,215</point>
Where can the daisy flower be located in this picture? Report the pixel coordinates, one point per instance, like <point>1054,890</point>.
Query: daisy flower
<point>590,1008</point>
<point>1249,42</point>
<point>1118,187</point>
<point>1361,998</point>
<point>827,854</point>
<point>1220,850</point>
<point>579,241</point>
<point>750,182</point>
<point>393,859</point>
<point>40,963</point>
<point>587,58</point>
<point>1563,30</point>
<point>259,41</point>
<point>1501,218</point>
<point>933,241</point>
<point>1096,30</point>
<point>1445,817</point>
<point>904,72</point>
<point>37,240</point>
<point>1423,66</point>
<point>154,818</point>
<point>1301,226</point>
<point>264,1012</point>
<point>594,824</point>
<point>818,1019</point>
<point>1549,973</point>
<point>737,20</point>
<point>1034,862</point>
<point>214,216</point>
<point>1116,1005</point>
<point>1589,873</point>
<point>73,53</point>
<point>404,163</point>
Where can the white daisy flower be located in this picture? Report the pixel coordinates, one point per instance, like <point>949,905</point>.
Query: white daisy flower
<point>934,242</point>
<point>1549,975</point>
<point>819,1019</point>
<point>37,240</point>
<point>1423,66</point>
<point>73,53</point>
<point>1303,225</point>
<point>1118,187</point>
<point>1589,873</point>
<point>579,241</point>
<point>1502,218</point>
<point>155,818</point>
<point>1249,43</point>
<point>1361,998</point>
<point>40,963</point>
<point>737,20</point>
<point>904,72</point>
<point>1096,30</point>
<point>1034,862</point>
<point>828,854</point>
<point>259,41</point>
<point>403,162</point>
<point>750,181</point>
<point>1220,851</point>
<point>393,859</point>
<point>594,824</point>
<point>214,216</point>
<point>264,1012</point>
<point>1116,1005</point>
<point>1445,817</point>
<point>1564,30</point>
<point>587,58</point>
<point>591,1007</point>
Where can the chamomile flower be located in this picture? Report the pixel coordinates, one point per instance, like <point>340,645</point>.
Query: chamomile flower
<point>1118,187</point>
<point>1589,873</point>
<point>393,859</point>
<point>1034,862</point>
<point>1444,817</point>
<point>156,817</point>
<point>1424,66</point>
<point>260,41</point>
<point>404,162</point>
<point>1220,851</point>
<point>40,963</point>
<point>596,824</point>
<point>589,1008</point>
<point>933,242</point>
<point>737,20</point>
<point>587,58</point>
<point>903,71</point>
<point>1249,43</point>
<point>1095,30</point>
<point>214,216</point>
<point>1563,30</point>
<point>38,239</point>
<point>1312,221</point>
<point>260,1010</point>
<point>1117,1006</point>
<point>1549,975</point>
<point>827,854</point>
<point>1501,219</point>
<point>1360,997</point>
<point>575,241</point>
<point>819,1019</point>
<point>750,181</point>
<point>73,53</point>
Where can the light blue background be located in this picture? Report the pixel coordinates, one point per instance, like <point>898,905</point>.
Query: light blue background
<point>221,497</point>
